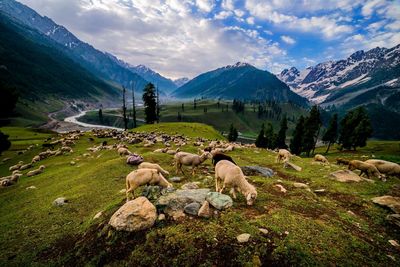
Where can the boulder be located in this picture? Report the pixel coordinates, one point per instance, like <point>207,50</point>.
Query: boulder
<point>192,208</point>
<point>257,171</point>
<point>243,238</point>
<point>388,201</point>
<point>135,215</point>
<point>61,201</point>
<point>176,201</point>
<point>345,176</point>
<point>219,201</point>
<point>205,210</point>
<point>151,192</point>
<point>190,186</point>
<point>289,165</point>
<point>300,185</point>
<point>394,219</point>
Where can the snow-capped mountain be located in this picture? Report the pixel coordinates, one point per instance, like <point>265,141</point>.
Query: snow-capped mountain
<point>319,82</point>
<point>181,81</point>
<point>101,63</point>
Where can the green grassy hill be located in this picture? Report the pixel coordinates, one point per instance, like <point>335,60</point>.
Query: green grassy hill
<point>340,227</point>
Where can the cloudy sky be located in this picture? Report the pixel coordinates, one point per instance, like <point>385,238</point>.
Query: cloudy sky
<point>182,38</point>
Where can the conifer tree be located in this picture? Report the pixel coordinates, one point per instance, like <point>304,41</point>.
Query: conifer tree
<point>355,128</point>
<point>331,133</point>
<point>311,130</point>
<point>233,134</point>
<point>150,103</point>
<point>4,142</point>
<point>125,118</point>
<point>261,140</point>
<point>281,137</point>
<point>296,142</point>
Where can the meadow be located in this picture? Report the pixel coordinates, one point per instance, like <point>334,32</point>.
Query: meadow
<point>340,226</point>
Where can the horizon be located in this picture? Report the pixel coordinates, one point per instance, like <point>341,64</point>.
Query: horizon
<point>269,35</point>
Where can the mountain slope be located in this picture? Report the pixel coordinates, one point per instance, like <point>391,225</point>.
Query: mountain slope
<point>241,81</point>
<point>181,81</point>
<point>101,64</point>
<point>329,80</point>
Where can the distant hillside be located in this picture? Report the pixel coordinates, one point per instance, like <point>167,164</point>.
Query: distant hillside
<point>241,81</point>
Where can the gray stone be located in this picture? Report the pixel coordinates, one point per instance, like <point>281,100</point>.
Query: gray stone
<point>289,165</point>
<point>388,201</point>
<point>243,238</point>
<point>300,185</point>
<point>61,201</point>
<point>151,192</point>
<point>345,176</point>
<point>134,215</point>
<point>192,208</point>
<point>205,210</point>
<point>263,230</point>
<point>175,179</point>
<point>219,201</point>
<point>257,171</point>
<point>176,201</point>
<point>190,186</point>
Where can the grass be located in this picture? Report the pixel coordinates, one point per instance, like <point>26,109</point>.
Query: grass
<point>341,227</point>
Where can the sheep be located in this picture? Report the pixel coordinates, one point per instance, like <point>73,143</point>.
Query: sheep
<point>365,168</point>
<point>283,155</point>
<point>173,152</point>
<point>342,161</point>
<point>218,157</point>
<point>36,172</point>
<point>321,158</point>
<point>122,151</point>
<point>66,149</point>
<point>189,159</point>
<point>154,166</point>
<point>144,177</point>
<point>16,166</point>
<point>35,159</point>
<point>232,176</point>
<point>26,166</point>
<point>385,167</point>
<point>161,150</point>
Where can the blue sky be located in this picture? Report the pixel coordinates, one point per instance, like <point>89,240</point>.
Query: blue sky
<point>180,38</point>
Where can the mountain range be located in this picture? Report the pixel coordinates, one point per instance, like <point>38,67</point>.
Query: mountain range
<point>238,81</point>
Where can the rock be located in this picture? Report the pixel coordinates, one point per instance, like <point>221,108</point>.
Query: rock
<point>72,163</point>
<point>161,217</point>
<point>177,215</point>
<point>176,201</point>
<point>205,210</point>
<point>257,171</point>
<point>300,185</point>
<point>394,243</point>
<point>320,191</point>
<point>190,186</point>
<point>151,192</point>
<point>219,201</point>
<point>388,201</point>
<point>134,215</point>
<point>281,188</point>
<point>394,219</point>
<point>61,201</point>
<point>243,238</point>
<point>289,165</point>
<point>192,208</point>
<point>264,231</point>
<point>31,187</point>
<point>175,179</point>
<point>345,176</point>
<point>98,215</point>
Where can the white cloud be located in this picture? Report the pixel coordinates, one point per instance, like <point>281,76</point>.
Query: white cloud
<point>205,5</point>
<point>288,39</point>
<point>223,15</point>
<point>250,20</point>
<point>228,4</point>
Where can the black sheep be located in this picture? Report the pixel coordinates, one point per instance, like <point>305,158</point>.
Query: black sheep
<point>219,156</point>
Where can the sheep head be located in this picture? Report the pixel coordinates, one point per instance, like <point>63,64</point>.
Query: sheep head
<point>251,198</point>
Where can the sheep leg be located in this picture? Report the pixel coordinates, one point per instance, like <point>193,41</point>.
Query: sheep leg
<point>233,192</point>
<point>193,170</point>
<point>222,189</point>
<point>216,183</point>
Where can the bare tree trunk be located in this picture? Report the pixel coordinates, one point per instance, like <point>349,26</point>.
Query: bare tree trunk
<point>316,139</point>
<point>133,106</point>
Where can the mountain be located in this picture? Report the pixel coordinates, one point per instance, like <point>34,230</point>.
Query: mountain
<point>99,63</point>
<point>181,81</point>
<point>330,80</point>
<point>165,84</point>
<point>240,81</point>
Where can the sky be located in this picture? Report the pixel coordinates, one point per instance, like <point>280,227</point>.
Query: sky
<point>183,38</point>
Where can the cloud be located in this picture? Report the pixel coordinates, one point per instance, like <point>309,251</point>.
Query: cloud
<point>205,5</point>
<point>288,39</point>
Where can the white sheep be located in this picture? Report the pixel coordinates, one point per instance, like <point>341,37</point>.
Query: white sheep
<point>36,172</point>
<point>122,151</point>
<point>321,158</point>
<point>25,166</point>
<point>385,167</point>
<point>232,176</point>
<point>16,166</point>
<point>189,159</point>
<point>154,166</point>
<point>142,177</point>
<point>283,155</point>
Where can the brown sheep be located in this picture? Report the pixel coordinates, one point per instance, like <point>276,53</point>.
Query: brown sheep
<point>365,168</point>
<point>144,177</point>
<point>189,159</point>
<point>385,167</point>
<point>321,158</point>
<point>342,161</point>
<point>283,155</point>
<point>154,166</point>
<point>232,176</point>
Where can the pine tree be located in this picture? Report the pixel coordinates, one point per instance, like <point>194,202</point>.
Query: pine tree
<point>4,142</point>
<point>311,130</point>
<point>296,142</point>
<point>269,136</point>
<point>355,128</point>
<point>331,133</point>
<point>183,107</point>
<point>261,140</point>
<point>281,137</point>
<point>101,116</point>
<point>179,116</point>
<point>233,134</point>
<point>125,118</point>
<point>150,103</point>
<point>133,107</point>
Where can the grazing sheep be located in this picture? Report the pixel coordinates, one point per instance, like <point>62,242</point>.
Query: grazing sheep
<point>144,177</point>
<point>232,176</point>
<point>385,167</point>
<point>342,161</point>
<point>26,166</point>
<point>320,158</point>
<point>122,151</point>
<point>154,166</point>
<point>365,168</point>
<point>283,155</point>
<point>219,156</point>
<point>173,152</point>
<point>36,172</point>
<point>35,159</point>
<point>66,149</point>
<point>16,166</point>
<point>189,159</point>
<point>161,150</point>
